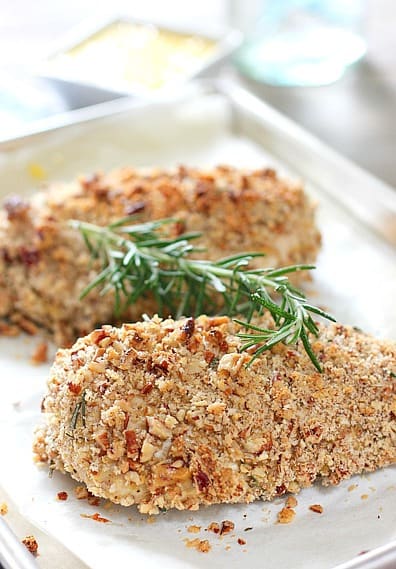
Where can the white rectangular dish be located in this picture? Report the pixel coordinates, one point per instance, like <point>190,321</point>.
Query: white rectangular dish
<point>355,280</point>
<point>59,64</point>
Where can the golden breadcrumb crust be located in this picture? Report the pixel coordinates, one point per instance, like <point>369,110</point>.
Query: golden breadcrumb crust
<point>44,264</point>
<point>165,414</point>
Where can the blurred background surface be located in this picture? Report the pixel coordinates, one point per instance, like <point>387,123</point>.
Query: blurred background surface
<point>356,114</point>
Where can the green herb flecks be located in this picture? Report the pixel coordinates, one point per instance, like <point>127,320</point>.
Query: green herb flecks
<point>78,413</point>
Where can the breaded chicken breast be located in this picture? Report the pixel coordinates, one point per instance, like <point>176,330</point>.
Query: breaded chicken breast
<point>165,414</point>
<point>45,265</point>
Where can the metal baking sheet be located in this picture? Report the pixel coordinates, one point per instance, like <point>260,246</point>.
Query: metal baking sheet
<point>355,277</point>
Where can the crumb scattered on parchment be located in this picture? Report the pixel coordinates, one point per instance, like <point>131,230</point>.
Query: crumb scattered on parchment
<point>227,547</point>
<point>3,509</point>
<point>248,529</point>
<point>352,487</point>
<point>81,492</point>
<point>241,541</point>
<point>286,515</point>
<point>291,502</point>
<point>364,496</point>
<point>40,354</point>
<point>201,545</point>
<point>194,529</point>
<point>317,508</point>
<point>31,544</point>
<point>62,496</point>
<point>214,527</point>
<point>96,518</point>
<point>151,520</point>
<point>226,527</point>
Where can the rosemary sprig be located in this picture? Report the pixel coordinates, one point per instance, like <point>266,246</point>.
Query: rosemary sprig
<point>138,259</point>
<point>79,411</point>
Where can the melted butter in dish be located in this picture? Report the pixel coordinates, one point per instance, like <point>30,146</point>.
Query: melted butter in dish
<point>133,56</point>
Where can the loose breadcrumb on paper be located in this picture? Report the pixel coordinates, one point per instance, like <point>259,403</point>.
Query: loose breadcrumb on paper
<point>227,526</point>
<point>214,527</point>
<point>286,516</point>
<point>317,508</point>
<point>194,529</point>
<point>96,518</point>
<point>40,354</point>
<point>62,496</point>
<point>291,502</point>
<point>31,544</point>
<point>241,541</point>
<point>201,545</point>
<point>3,509</point>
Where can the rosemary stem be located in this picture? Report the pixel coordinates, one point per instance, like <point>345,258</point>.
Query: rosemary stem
<point>137,259</point>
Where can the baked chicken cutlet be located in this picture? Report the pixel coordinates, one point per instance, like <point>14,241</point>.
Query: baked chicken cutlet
<point>165,414</point>
<point>45,265</point>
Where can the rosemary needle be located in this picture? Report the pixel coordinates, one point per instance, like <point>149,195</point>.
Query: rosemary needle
<point>138,259</point>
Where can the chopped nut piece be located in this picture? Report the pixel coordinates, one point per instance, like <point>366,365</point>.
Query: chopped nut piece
<point>194,529</point>
<point>286,516</point>
<point>62,496</point>
<point>96,518</point>
<point>31,544</point>
<point>158,429</point>
<point>3,509</point>
<point>148,450</point>
<point>316,508</point>
<point>40,355</point>
<point>226,527</point>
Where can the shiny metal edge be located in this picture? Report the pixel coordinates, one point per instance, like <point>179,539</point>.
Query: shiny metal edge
<point>379,558</point>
